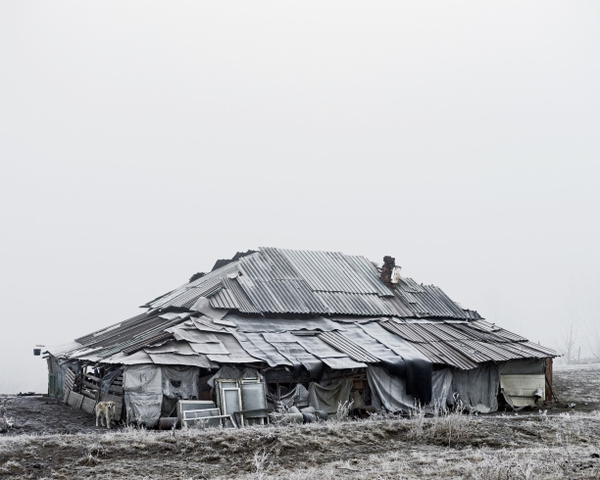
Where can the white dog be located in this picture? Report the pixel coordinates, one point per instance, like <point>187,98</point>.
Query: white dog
<point>106,410</point>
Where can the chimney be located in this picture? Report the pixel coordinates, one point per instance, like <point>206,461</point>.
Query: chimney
<point>389,264</point>
<point>390,272</point>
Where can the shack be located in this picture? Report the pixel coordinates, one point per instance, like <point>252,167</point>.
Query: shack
<point>317,331</point>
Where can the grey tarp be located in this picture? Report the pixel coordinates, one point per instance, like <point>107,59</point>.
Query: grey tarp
<point>329,397</point>
<point>389,391</point>
<point>330,356</point>
<point>143,394</point>
<point>297,397</point>
<point>108,379</point>
<point>522,366</point>
<point>235,352</point>
<point>441,389</point>
<point>180,382</point>
<point>477,389</point>
<point>417,369</point>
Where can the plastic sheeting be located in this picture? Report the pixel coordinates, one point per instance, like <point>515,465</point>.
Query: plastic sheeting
<point>235,351</point>
<point>417,369</point>
<point>298,397</point>
<point>477,389</point>
<point>146,385</point>
<point>108,379</point>
<point>441,391</point>
<point>329,397</point>
<point>522,367</point>
<point>264,350</point>
<point>389,391</point>
<point>180,382</point>
<point>143,394</point>
<point>199,360</point>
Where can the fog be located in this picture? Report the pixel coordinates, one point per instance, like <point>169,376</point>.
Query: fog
<point>141,141</point>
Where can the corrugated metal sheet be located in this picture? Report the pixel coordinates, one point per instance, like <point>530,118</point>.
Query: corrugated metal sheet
<point>232,297</point>
<point>427,300</point>
<point>324,271</point>
<point>262,325</point>
<point>202,285</point>
<point>304,285</point>
<point>370,273</point>
<point>340,303</point>
<point>462,345</point>
<point>301,282</point>
<point>338,341</point>
<point>443,354</point>
<point>282,296</point>
<point>280,281</point>
<point>397,305</point>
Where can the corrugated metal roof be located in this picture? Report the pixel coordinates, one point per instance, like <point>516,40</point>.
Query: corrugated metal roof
<point>300,286</point>
<point>325,271</point>
<point>465,344</point>
<point>427,300</point>
<point>337,340</point>
<point>281,281</point>
<point>370,273</point>
<point>443,354</point>
<point>201,286</point>
<point>340,303</point>
<point>232,297</point>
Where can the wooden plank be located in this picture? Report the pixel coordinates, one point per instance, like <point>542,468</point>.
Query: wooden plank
<point>92,378</point>
<point>69,380</point>
<point>88,405</point>
<point>89,394</point>
<point>90,385</point>
<point>116,389</point>
<point>75,399</point>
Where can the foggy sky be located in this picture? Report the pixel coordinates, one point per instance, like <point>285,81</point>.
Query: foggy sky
<point>141,141</point>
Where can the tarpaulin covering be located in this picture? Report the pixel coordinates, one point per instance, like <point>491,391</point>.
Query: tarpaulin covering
<point>417,369</point>
<point>389,391</point>
<point>143,394</point>
<point>441,389</point>
<point>522,366</point>
<point>235,351</point>
<point>180,382</point>
<point>329,397</point>
<point>138,358</point>
<point>264,350</point>
<point>477,389</point>
<point>108,379</point>
<point>299,356</point>
<point>199,360</point>
<point>296,397</point>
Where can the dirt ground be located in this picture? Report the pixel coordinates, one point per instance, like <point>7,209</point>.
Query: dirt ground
<point>47,439</point>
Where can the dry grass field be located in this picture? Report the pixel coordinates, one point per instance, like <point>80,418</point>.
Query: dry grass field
<point>45,439</point>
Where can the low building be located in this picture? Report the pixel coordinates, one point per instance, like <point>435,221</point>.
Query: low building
<point>322,330</point>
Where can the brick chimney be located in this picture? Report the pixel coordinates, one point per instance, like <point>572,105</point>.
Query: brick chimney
<point>389,263</point>
<point>390,272</point>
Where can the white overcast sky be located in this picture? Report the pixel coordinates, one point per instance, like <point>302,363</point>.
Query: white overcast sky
<point>141,141</point>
